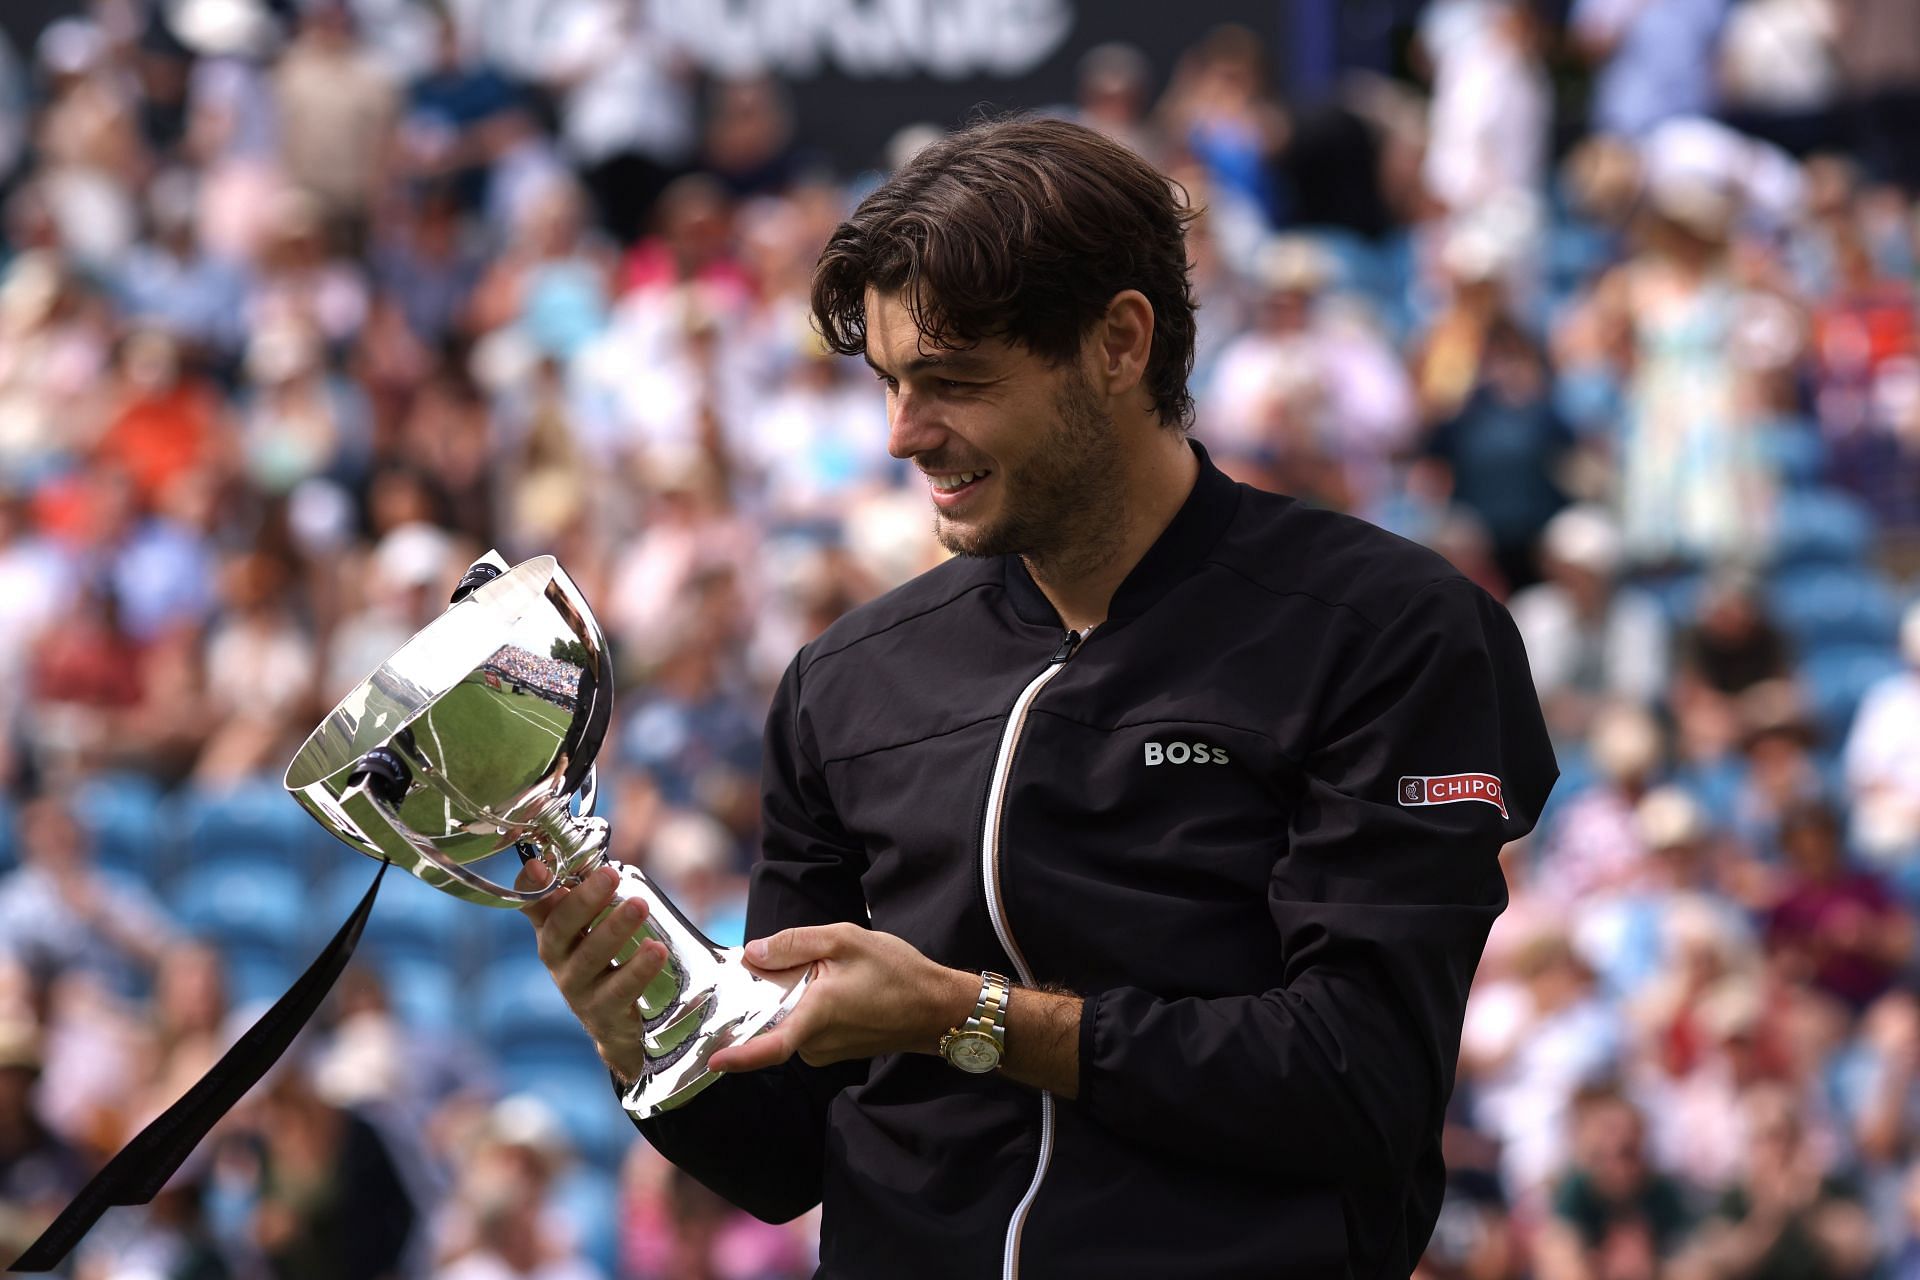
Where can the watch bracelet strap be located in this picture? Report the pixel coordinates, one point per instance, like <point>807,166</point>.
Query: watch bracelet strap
<point>990,1009</point>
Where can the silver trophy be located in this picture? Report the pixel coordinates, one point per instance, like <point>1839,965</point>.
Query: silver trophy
<point>480,735</point>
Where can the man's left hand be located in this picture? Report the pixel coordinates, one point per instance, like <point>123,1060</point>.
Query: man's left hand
<point>871,993</point>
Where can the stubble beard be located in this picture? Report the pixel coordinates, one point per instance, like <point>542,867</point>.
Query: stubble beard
<point>1063,512</point>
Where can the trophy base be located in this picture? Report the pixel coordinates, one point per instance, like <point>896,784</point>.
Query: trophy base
<point>742,1006</point>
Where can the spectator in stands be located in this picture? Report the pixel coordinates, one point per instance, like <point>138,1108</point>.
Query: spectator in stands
<point>1729,646</point>
<point>338,108</point>
<point>1693,483</point>
<point>1115,81</point>
<point>39,1172</point>
<point>1778,770</point>
<point>1220,109</point>
<point>1590,638</point>
<point>1647,929</point>
<point>260,674</point>
<point>1838,929</point>
<point>1789,1215</point>
<point>1882,758</point>
<point>1883,1093</point>
<point>187,1026</point>
<point>1560,1034</point>
<point>331,1201</point>
<point>1312,393</point>
<point>692,858</point>
<point>1490,122</point>
<point>626,104</point>
<point>1595,844</point>
<point>499,1220</point>
<point>749,142</point>
<point>61,914</point>
<point>1649,60</point>
<point>1613,1213</point>
<point>1505,449</point>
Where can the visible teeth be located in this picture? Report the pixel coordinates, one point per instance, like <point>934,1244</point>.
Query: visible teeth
<point>947,484</point>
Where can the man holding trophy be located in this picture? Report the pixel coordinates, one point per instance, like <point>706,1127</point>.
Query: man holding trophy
<point>1138,858</point>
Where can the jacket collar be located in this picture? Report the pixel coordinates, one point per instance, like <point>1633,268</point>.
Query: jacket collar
<point>1178,551</point>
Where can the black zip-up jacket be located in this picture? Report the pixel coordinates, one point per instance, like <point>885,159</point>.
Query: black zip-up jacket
<point>1248,818</point>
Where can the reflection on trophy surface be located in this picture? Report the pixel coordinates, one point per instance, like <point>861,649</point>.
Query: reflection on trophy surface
<point>479,735</point>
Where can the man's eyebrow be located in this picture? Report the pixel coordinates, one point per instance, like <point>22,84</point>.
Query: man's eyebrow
<point>958,361</point>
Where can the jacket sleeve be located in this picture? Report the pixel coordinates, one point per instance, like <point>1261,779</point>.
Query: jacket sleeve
<point>759,1138</point>
<point>1382,901</point>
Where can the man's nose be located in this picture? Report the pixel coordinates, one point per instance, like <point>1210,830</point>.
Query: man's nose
<point>913,425</point>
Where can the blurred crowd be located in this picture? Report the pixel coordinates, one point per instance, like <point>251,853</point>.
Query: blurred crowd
<point>303,306</point>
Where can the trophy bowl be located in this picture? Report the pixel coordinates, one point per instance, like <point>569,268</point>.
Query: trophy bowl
<point>479,735</point>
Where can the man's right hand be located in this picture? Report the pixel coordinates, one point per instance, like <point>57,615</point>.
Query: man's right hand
<point>602,995</point>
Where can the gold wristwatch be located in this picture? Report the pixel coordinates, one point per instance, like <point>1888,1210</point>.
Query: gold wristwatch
<point>975,1045</point>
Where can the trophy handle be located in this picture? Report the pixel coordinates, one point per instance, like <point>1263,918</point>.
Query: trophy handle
<point>382,826</point>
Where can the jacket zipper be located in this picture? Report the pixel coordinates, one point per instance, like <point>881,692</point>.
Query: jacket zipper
<point>996,910</point>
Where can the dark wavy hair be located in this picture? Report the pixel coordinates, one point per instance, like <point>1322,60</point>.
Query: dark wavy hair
<point>1020,229</point>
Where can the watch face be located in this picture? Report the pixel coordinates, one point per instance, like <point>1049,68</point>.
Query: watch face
<point>974,1051</point>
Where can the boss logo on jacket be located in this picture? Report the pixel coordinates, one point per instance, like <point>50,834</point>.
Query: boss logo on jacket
<point>1183,753</point>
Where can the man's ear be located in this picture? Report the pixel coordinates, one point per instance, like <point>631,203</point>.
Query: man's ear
<point>1125,341</point>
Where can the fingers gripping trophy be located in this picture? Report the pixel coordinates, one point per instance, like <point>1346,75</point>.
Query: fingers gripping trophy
<point>479,735</point>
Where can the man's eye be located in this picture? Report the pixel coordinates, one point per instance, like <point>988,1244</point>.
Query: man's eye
<point>886,382</point>
<point>948,384</point>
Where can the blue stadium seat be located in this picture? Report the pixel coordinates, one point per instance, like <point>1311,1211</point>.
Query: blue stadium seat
<point>410,920</point>
<point>1796,451</point>
<point>515,1000</point>
<point>1575,253</point>
<point>1678,595</point>
<point>244,902</point>
<point>1837,678</point>
<point>583,1097</point>
<point>1821,526</point>
<point>122,814</point>
<point>423,993</point>
<point>255,820</point>
<point>1825,605</point>
<point>256,978</point>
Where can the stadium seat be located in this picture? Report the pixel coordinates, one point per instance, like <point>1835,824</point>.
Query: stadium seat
<point>255,820</point>
<point>1678,595</point>
<point>1821,526</point>
<point>410,920</point>
<point>1825,605</point>
<point>122,814</point>
<point>515,1001</point>
<point>256,979</point>
<point>1575,252</point>
<point>1838,676</point>
<point>1796,452</point>
<point>237,902</point>
<point>423,993</point>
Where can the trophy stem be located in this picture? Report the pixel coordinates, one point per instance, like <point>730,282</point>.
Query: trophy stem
<point>574,846</point>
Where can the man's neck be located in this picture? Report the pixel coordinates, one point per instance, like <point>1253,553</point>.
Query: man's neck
<point>1154,484</point>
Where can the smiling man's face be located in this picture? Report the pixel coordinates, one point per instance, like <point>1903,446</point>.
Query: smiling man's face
<point>1019,455</point>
